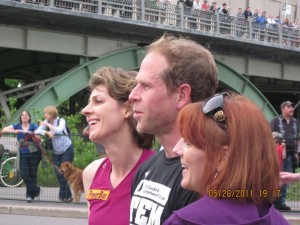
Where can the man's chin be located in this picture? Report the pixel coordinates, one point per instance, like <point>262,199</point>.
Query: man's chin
<point>139,127</point>
<point>142,129</point>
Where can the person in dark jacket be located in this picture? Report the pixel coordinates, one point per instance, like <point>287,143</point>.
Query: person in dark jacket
<point>289,126</point>
<point>247,13</point>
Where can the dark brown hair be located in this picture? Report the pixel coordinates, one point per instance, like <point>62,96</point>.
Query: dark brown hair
<point>28,115</point>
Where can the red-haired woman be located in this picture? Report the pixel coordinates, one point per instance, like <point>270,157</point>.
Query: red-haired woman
<point>227,154</point>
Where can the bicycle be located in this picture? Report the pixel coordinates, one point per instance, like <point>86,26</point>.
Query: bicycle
<point>9,172</point>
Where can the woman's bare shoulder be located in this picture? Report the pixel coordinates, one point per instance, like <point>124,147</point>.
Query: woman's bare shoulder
<point>89,173</point>
<point>92,167</point>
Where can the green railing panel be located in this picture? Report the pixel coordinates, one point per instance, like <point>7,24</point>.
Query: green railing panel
<point>242,85</point>
<point>77,78</point>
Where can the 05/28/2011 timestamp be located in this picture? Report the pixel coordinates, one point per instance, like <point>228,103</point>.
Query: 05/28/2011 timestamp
<point>243,193</point>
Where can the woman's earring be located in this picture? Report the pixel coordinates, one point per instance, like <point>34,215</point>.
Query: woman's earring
<point>216,175</point>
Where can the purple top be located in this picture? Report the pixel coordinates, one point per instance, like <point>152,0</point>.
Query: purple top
<point>224,211</point>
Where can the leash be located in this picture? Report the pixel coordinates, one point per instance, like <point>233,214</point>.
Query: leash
<point>37,141</point>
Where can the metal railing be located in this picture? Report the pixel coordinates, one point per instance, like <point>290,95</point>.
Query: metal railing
<point>84,153</point>
<point>183,17</point>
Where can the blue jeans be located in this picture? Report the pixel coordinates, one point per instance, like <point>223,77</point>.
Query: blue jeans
<point>28,168</point>
<point>287,167</point>
<point>67,156</point>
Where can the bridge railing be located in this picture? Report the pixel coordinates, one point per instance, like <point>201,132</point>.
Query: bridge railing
<point>183,17</point>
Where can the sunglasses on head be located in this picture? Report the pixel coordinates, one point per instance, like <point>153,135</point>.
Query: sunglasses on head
<point>213,107</point>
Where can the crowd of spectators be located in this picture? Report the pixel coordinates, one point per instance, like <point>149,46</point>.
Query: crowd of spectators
<point>247,13</point>
<point>264,27</point>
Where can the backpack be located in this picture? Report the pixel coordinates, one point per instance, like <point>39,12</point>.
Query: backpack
<point>67,128</point>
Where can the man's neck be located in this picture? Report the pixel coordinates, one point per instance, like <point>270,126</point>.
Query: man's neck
<point>287,118</point>
<point>169,141</point>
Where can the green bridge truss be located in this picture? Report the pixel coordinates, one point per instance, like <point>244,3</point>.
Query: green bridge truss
<point>77,79</point>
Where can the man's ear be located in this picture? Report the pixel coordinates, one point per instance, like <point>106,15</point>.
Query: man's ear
<point>223,158</point>
<point>184,95</point>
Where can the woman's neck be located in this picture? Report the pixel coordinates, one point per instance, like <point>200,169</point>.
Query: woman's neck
<point>123,160</point>
<point>25,123</point>
<point>25,126</point>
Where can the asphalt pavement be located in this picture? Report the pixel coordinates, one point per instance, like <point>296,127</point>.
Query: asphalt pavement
<point>43,208</point>
<point>10,219</point>
<point>74,210</point>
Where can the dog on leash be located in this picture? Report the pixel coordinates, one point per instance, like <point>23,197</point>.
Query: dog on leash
<point>74,177</point>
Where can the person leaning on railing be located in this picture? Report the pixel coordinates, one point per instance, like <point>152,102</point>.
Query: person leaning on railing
<point>262,22</point>
<point>63,150</point>
<point>247,12</point>
<point>30,153</point>
<point>213,7</point>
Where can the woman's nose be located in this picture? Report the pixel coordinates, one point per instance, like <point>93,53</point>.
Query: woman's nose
<point>178,149</point>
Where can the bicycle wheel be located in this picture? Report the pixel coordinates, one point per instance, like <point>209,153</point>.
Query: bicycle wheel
<point>9,175</point>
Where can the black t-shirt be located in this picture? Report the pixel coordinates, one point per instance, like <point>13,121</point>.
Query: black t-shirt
<point>156,190</point>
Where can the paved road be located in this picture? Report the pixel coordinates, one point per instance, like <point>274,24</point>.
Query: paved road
<point>9,219</point>
<point>41,208</point>
<point>63,213</point>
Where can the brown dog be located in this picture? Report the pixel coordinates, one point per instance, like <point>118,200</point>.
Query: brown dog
<point>74,177</point>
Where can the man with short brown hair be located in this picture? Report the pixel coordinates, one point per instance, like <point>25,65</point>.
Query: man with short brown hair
<point>174,73</point>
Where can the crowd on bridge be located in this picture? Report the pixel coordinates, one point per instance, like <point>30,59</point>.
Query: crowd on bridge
<point>258,20</point>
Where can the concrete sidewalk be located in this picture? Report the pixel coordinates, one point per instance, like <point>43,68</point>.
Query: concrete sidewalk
<point>46,205</point>
<point>40,208</point>
<point>292,217</point>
